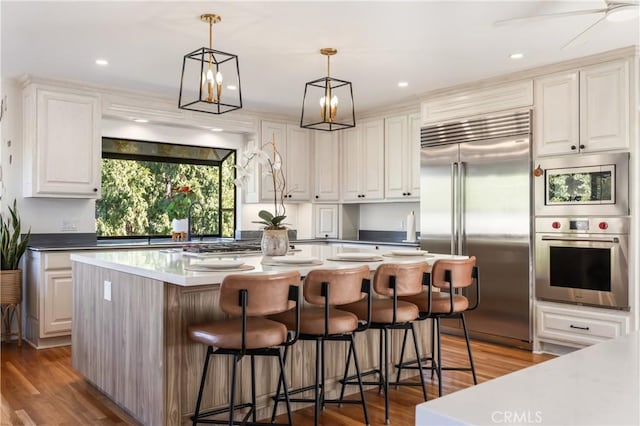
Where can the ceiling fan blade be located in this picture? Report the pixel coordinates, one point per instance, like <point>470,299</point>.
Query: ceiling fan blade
<point>546,16</point>
<point>580,37</point>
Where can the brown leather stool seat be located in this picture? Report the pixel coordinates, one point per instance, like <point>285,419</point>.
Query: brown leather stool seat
<point>322,319</point>
<point>391,281</point>
<point>446,276</point>
<point>382,310</point>
<point>260,333</point>
<point>312,320</point>
<point>248,299</point>
<point>440,302</point>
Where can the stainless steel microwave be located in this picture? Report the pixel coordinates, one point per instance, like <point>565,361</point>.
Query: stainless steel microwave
<point>593,185</point>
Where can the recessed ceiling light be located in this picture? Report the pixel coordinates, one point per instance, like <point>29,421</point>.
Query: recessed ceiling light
<point>232,87</point>
<point>403,84</point>
<point>216,129</point>
<point>516,56</point>
<point>140,120</point>
<point>102,62</point>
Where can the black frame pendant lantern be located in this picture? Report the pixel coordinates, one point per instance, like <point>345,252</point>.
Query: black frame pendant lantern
<point>203,73</point>
<point>328,102</point>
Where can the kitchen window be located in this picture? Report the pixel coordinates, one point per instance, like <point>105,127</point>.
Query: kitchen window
<point>136,176</point>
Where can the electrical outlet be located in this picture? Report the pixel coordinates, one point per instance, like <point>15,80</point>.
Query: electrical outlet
<point>402,225</point>
<point>107,291</point>
<point>69,225</point>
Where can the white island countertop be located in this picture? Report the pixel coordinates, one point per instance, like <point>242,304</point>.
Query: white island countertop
<point>169,266</point>
<point>598,385</point>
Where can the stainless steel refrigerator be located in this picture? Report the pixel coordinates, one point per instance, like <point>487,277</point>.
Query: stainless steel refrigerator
<point>476,200</point>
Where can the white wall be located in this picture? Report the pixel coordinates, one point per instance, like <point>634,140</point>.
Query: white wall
<point>388,216</point>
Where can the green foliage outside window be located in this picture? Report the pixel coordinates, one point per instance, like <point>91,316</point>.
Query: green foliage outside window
<point>135,201</point>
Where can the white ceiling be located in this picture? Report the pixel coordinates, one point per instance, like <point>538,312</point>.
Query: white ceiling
<point>428,44</point>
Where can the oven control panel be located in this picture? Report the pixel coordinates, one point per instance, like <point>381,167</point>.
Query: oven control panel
<point>583,225</point>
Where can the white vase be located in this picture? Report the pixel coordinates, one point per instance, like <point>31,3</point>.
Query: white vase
<point>180,225</point>
<point>275,242</point>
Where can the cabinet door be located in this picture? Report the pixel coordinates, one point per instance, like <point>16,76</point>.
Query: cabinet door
<point>277,132</point>
<point>326,220</point>
<point>58,303</point>
<point>413,152</point>
<point>67,145</point>
<point>351,159</point>
<point>604,107</point>
<point>297,163</point>
<point>395,149</point>
<point>372,164</point>
<point>556,114</point>
<point>327,166</point>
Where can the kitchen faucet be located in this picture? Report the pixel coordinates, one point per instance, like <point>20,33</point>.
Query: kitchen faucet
<point>189,220</point>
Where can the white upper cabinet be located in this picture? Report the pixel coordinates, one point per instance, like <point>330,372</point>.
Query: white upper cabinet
<point>363,162</point>
<point>327,166</point>
<point>583,111</point>
<point>297,164</point>
<point>62,143</point>
<point>402,157</point>
<point>294,145</point>
<point>604,106</point>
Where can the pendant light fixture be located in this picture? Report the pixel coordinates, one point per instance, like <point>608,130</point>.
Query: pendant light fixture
<point>205,72</point>
<point>328,102</point>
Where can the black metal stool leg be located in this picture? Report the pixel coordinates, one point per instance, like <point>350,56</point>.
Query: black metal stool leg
<point>344,378</point>
<point>466,336</point>
<point>277,397</point>
<point>381,359</point>
<point>357,365</point>
<point>439,362</point>
<point>415,344</point>
<point>232,393</point>
<point>404,343</point>
<point>283,381</point>
<point>204,377</point>
<point>317,388</point>
<point>253,389</point>
<point>322,367</point>
<point>433,345</point>
<point>386,375</point>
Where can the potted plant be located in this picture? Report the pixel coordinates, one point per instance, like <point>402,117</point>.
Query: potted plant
<point>13,246</point>
<point>179,200</point>
<point>275,239</point>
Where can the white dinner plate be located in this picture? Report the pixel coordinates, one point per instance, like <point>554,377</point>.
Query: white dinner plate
<point>356,256</point>
<point>294,259</point>
<point>409,252</point>
<point>220,263</point>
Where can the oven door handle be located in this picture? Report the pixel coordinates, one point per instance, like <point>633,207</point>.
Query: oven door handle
<point>586,240</point>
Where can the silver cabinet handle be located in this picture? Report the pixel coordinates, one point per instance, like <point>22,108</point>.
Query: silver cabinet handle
<point>454,205</point>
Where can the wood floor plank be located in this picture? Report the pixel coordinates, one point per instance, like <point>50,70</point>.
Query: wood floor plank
<point>41,387</point>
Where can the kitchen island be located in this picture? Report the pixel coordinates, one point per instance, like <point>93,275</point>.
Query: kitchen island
<point>131,313</point>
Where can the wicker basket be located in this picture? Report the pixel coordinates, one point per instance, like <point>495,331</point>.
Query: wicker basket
<point>11,287</point>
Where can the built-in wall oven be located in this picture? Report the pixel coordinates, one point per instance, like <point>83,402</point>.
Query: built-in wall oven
<point>585,185</point>
<point>583,260</point>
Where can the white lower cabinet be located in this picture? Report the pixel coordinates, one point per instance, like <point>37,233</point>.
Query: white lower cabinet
<point>49,297</point>
<point>577,326</point>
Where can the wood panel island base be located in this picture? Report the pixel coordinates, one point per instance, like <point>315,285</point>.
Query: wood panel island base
<point>129,339</point>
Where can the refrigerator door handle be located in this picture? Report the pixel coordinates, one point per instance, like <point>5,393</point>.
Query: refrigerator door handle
<point>454,207</point>
<point>462,168</point>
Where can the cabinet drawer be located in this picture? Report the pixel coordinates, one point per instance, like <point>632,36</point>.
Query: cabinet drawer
<point>57,261</point>
<point>578,328</point>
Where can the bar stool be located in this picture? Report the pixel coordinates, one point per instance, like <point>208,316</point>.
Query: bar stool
<point>320,321</point>
<point>445,275</point>
<point>391,280</point>
<point>247,299</point>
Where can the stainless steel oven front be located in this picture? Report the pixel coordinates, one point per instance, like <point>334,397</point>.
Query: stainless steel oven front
<point>593,185</point>
<point>583,260</point>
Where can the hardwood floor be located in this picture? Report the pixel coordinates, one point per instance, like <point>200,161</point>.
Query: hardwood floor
<point>41,387</point>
